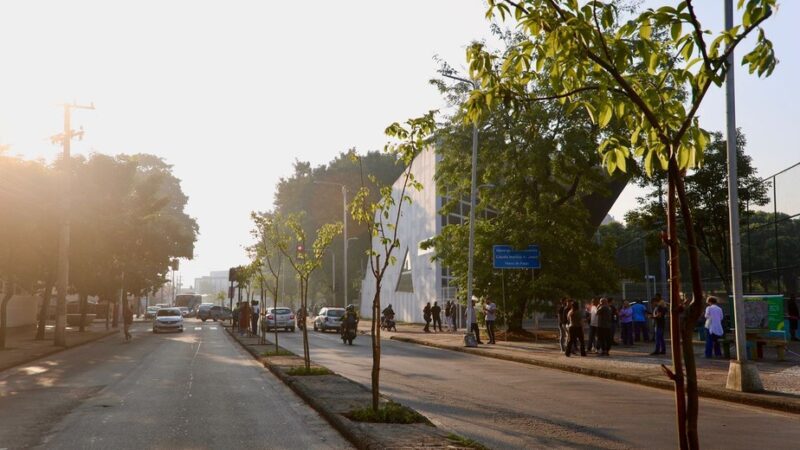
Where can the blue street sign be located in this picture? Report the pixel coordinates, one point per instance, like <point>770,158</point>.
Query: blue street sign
<point>505,257</point>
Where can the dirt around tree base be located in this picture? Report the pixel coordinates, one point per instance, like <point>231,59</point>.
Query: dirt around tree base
<point>526,336</point>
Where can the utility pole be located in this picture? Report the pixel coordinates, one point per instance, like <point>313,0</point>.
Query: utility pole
<point>742,374</point>
<point>62,281</point>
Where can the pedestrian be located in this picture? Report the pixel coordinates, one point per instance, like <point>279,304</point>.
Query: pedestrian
<point>626,323</point>
<point>235,316</point>
<point>255,311</point>
<point>244,318</point>
<point>593,325</point>
<point>604,319</point>
<point>640,321</point>
<point>447,308</point>
<point>575,319</point>
<point>436,312</point>
<point>563,324</point>
<point>472,323</point>
<point>490,309</point>
<point>454,309</point>
<point>127,321</point>
<point>659,324</point>
<point>426,315</point>
<point>714,330</point>
<point>614,320</point>
<point>794,316</point>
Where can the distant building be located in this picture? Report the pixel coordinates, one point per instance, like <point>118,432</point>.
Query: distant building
<point>216,281</point>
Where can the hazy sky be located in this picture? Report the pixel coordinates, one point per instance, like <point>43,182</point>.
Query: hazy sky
<point>232,92</point>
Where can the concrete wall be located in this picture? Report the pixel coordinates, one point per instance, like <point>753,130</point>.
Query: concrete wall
<point>418,222</point>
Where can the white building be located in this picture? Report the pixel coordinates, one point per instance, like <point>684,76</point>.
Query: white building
<point>415,279</point>
<point>215,282</point>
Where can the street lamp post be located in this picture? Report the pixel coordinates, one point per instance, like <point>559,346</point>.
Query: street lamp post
<point>344,231</point>
<point>472,195</point>
<point>742,374</point>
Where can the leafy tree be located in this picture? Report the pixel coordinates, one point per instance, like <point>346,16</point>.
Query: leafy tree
<point>537,165</point>
<point>593,57</point>
<point>291,240</point>
<point>266,255</point>
<point>381,218</point>
<point>707,192</point>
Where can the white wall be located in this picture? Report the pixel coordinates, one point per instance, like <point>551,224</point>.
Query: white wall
<point>22,310</point>
<point>418,222</point>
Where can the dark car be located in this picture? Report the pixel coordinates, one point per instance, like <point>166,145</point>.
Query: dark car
<point>219,313</point>
<point>204,311</point>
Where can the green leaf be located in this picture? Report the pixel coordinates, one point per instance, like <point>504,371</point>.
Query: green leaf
<point>620,110</point>
<point>675,30</point>
<point>605,114</point>
<point>653,64</point>
<point>645,31</point>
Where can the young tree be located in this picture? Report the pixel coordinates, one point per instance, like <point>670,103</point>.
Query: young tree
<point>267,255</point>
<point>637,72</point>
<point>291,242</point>
<point>381,218</point>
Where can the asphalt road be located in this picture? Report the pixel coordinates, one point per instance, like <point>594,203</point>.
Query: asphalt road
<point>195,390</point>
<point>504,404</point>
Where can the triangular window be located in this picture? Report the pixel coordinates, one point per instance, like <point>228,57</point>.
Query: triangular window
<point>406,282</point>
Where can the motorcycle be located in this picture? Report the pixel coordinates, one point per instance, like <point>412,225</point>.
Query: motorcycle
<point>388,324</point>
<point>348,334</point>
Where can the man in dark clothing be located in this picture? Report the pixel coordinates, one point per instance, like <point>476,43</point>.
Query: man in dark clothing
<point>563,323</point>
<point>614,320</point>
<point>794,315</point>
<point>659,324</point>
<point>127,321</point>
<point>426,315</point>
<point>604,327</point>
<point>436,311</point>
<point>575,329</point>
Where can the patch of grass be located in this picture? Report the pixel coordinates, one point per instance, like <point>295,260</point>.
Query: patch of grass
<point>302,372</point>
<point>461,441</point>
<point>390,412</point>
<point>280,352</point>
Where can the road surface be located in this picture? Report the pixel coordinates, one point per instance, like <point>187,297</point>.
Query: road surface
<point>196,390</point>
<point>503,404</point>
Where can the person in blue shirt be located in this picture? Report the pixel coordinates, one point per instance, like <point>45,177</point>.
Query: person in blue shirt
<point>640,321</point>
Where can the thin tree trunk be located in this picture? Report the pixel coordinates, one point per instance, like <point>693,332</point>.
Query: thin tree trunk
<point>303,302</point>
<point>4,312</point>
<point>692,312</point>
<point>675,313</point>
<point>44,312</point>
<point>376,347</point>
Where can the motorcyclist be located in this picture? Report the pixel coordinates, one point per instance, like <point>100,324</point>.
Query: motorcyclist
<point>388,317</point>
<point>350,319</point>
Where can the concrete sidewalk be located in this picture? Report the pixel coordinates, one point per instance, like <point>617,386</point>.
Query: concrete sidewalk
<point>632,364</point>
<point>21,347</point>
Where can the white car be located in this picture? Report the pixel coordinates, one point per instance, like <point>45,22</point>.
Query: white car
<point>278,318</point>
<point>168,319</point>
<point>328,319</point>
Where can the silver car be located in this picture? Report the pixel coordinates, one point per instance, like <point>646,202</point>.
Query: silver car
<point>168,319</point>
<point>278,318</point>
<point>329,319</point>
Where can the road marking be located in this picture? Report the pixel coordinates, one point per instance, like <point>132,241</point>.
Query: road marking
<point>198,328</point>
<point>213,328</point>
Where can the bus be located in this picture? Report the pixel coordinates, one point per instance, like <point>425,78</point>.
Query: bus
<point>191,301</point>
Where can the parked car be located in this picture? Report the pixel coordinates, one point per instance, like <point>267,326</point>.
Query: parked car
<point>168,319</point>
<point>328,319</point>
<point>150,312</point>
<point>220,313</point>
<point>278,318</point>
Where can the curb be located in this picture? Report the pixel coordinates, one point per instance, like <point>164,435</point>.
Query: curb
<point>54,350</point>
<point>768,401</point>
<point>340,423</point>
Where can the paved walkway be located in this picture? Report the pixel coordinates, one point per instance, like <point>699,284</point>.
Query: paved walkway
<point>22,347</point>
<point>633,364</point>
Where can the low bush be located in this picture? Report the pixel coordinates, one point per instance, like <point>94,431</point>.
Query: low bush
<point>390,412</point>
<point>302,372</point>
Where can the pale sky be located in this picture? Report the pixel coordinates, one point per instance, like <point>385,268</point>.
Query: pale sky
<point>232,92</point>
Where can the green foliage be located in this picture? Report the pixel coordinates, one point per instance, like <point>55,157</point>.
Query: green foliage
<point>306,372</point>
<point>279,352</point>
<point>463,442</point>
<point>389,412</point>
<point>606,61</point>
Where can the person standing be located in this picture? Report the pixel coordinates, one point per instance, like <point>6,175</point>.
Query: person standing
<point>604,320</point>
<point>593,325</point>
<point>794,316</point>
<point>490,309</point>
<point>575,319</point>
<point>659,325</point>
<point>563,324</point>
<point>244,318</point>
<point>454,316</point>
<point>256,310</point>
<point>614,320</point>
<point>626,323</point>
<point>447,308</point>
<point>127,321</point>
<point>472,323</point>
<point>713,326</point>
<point>640,321</point>
<point>426,315</point>
<point>436,312</point>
